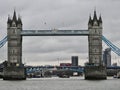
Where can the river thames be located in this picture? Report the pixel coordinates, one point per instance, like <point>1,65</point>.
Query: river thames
<point>72,83</point>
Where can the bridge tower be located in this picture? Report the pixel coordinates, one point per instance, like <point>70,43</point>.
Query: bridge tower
<point>95,39</point>
<point>14,68</point>
<point>95,69</point>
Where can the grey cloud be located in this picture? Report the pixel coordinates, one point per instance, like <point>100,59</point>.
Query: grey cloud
<point>54,44</point>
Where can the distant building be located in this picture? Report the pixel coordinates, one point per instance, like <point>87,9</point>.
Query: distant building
<point>65,64</point>
<point>114,64</point>
<point>74,60</point>
<point>107,57</point>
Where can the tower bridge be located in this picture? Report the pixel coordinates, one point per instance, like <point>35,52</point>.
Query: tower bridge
<point>15,69</point>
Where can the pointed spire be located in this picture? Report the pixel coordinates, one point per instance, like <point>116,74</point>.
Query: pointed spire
<point>14,16</point>
<point>95,15</point>
<point>90,20</point>
<point>9,20</point>
<point>100,19</point>
<point>19,20</point>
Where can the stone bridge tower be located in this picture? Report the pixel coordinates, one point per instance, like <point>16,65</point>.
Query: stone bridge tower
<point>95,69</point>
<point>14,28</point>
<point>95,39</point>
<point>14,68</point>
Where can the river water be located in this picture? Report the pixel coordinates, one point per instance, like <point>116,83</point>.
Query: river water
<point>72,83</point>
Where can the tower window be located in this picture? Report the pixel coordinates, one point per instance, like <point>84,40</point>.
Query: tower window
<point>95,31</point>
<point>14,24</point>
<point>14,31</point>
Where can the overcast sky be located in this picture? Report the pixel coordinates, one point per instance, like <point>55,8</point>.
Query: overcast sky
<point>60,14</point>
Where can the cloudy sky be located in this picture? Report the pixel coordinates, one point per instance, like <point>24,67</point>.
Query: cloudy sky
<point>60,14</point>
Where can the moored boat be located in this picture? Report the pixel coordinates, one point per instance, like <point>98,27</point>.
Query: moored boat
<point>118,75</point>
<point>64,76</point>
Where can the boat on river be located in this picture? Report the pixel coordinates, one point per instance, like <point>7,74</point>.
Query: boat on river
<point>118,75</point>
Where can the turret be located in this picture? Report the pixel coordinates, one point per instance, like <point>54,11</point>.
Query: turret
<point>90,22</point>
<point>14,22</point>
<point>100,21</point>
<point>95,16</point>
<point>9,21</point>
<point>19,22</point>
<point>14,17</point>
<point>95,21</point>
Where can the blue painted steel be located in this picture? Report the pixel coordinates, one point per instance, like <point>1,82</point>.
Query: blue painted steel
<point>114,48</point>
<point>3,41</point>
<point>39,68</point>
<point>113,67</point>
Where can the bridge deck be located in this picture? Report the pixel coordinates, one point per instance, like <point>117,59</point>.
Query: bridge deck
<point>54,32</point>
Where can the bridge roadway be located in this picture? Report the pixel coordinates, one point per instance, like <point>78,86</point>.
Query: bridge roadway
<point>55,33</point>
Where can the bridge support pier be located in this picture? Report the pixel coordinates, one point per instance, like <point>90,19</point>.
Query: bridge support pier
<point>14,73</point>
<point>95,73</point>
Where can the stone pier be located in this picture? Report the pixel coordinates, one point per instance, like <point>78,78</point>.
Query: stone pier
<point>95,73</point>
<point>14,73</point>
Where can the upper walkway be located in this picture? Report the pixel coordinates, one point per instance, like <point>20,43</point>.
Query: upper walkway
<point>55,33</point>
